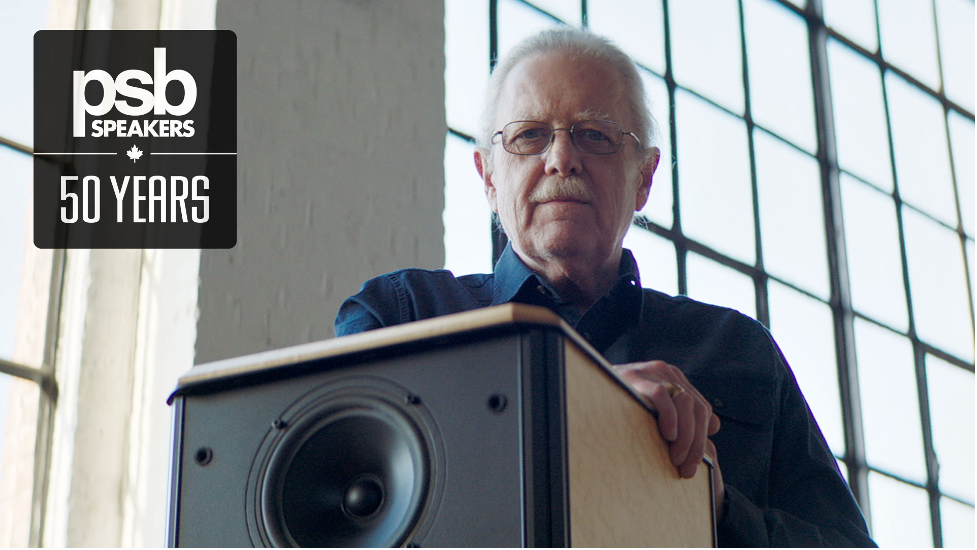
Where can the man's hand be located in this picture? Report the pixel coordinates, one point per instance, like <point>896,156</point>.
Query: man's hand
<point>685,418</point>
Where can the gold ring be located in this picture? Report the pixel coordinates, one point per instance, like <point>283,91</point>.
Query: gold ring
<point>673,389</point>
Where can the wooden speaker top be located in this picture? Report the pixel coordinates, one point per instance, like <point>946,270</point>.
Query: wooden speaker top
<point>437,327</point>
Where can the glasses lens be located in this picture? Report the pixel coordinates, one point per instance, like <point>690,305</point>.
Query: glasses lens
<point>597,137</point>
<point>526,137</point>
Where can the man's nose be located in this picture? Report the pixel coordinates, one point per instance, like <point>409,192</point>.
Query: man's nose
<point>562,157</point>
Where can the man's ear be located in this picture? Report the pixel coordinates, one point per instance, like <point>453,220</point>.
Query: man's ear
<point>484,166</point>
<point>648,165</point>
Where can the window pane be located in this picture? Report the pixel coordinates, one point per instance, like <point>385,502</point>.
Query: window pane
<point>781,95</point>
<point>900,513</point>
<point>957,523</point>
<point>637,26</point>
<point>951,400</point>
<point>970,266</point>
<point>467,217</point>
<point>517,21</point>
<point>791,214</point>
<point>16,168</point>
<point>659,205</point>
<point>715,283</point>
<point>714,177</point>
<point>706,55</point>
<point>938,284</point>
<point>860,127</point>
<point>855,19</point>
<point>922,154</point>
<point>909,38</point>
<point>887,386</point>
<point>804,329</point>
<point>568,12</point>
<point>874,259</point>
<point>17,26</point>
<point>962,144</point>
<point>955,19</point>
<point>466,62</point>
<point>656,259</point>
<point>18,428</point>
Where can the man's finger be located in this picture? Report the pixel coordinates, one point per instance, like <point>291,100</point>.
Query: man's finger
<point>699,440</point>
<point>714,424</point>
<point>685,440</point>
<point>657,395</point>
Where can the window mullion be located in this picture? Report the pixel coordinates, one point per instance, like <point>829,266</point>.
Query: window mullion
<point>16,146</point>
<point>932,466</point>
<point>841,305</point>
<point>760,275</point>
<point>47,403</point>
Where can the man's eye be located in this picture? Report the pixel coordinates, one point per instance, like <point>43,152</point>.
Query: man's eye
<point>530,134</point>
<point>594,135</point>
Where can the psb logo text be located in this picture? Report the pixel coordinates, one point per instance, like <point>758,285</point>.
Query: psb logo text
<point>154,101</point>
<point>106,173</point>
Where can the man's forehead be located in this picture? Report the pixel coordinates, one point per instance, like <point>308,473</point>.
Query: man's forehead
<point>541,113</point>
<point>557,85</point>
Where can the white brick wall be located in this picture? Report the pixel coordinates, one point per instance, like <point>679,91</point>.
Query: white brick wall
<point>340,173</point>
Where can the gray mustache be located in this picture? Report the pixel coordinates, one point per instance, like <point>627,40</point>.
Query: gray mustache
<point>568,189</point>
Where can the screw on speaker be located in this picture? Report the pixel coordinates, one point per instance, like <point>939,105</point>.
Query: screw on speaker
<point>354,462</point>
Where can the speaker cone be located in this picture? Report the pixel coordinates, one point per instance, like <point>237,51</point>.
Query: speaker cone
<point>351,472</point>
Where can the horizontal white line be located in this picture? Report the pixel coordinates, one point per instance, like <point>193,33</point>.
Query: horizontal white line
<point>192,153</point>
<point>56,154</point>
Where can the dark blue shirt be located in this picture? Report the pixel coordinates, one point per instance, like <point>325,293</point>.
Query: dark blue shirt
<point>783,487</point>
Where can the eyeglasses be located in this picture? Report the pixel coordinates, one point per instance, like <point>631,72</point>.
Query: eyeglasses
<point>596,137</point>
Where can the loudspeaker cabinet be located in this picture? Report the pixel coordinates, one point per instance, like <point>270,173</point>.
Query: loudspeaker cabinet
<point>498,427</point>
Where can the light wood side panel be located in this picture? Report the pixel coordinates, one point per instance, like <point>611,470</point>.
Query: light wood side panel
<point>624,490</point>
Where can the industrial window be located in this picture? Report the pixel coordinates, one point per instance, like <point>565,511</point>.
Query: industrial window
<point>817,174</point>
<point>27,390</point>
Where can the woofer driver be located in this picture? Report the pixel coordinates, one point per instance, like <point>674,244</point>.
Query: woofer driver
<point>348,465</point>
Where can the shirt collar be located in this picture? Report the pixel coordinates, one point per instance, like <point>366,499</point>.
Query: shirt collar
<point>512,275</point>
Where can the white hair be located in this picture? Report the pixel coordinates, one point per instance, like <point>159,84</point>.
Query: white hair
<point>578,43</point>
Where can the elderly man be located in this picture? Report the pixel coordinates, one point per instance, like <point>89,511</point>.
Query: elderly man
<point>565,157</point>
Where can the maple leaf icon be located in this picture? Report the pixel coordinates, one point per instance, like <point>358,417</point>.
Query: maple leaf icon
<point>134,153</point>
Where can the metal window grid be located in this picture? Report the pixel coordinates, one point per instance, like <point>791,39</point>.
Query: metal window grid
<point>840,302</point>
<point>44,377</point>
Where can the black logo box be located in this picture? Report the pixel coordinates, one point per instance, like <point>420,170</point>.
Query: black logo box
<point>210,58</point>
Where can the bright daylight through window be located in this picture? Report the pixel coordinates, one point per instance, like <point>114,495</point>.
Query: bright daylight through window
<point>818,175</point>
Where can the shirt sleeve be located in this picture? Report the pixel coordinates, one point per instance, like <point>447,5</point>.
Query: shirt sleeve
<point>376,305</point>
<point>809,503</point>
